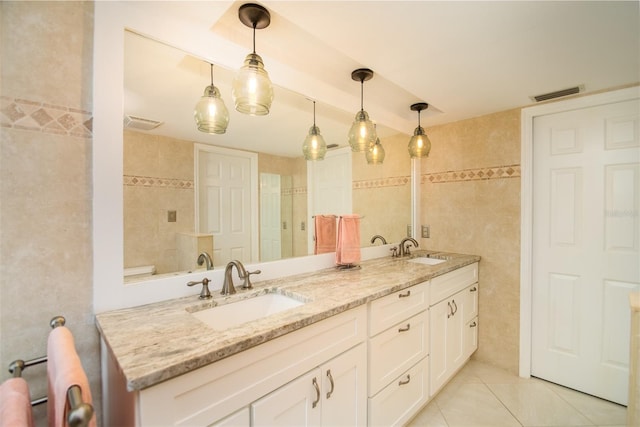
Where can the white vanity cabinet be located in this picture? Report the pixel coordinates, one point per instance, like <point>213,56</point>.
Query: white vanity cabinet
<point>453,314</point>
<point>222,393</point>
<point>398,355</point>
<point>330,395</point>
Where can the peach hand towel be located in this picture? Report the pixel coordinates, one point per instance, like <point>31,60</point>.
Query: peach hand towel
<point>64,369</point>
<point>15,404</point>
<point>348,246</point>
<point>325,226</point>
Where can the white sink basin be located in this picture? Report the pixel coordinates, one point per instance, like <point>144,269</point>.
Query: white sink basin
<point>427,261</point>
<point>226,316</point>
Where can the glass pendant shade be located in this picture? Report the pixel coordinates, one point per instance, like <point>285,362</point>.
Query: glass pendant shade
<point>252,90</point>
<point>314,147</point>
<point>362,134</point>
<point>419,144</point>
<point>210,114</point>
<point>375,154</point>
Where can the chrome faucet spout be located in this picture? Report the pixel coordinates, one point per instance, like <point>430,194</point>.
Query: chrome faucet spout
<point>227,286</point>
<point>378,237</point>
<point>205,258</point>
<point>405,244</point>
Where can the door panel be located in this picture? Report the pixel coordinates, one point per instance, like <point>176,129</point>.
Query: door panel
<point>585,246</point>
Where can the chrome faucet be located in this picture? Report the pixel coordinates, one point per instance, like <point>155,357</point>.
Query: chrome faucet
<point>203,258</point>
<point>404,249</point>
<point>377,236</point>
<point>227,286</point>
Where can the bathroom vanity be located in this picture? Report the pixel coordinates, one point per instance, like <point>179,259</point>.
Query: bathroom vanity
<point>362,347</point>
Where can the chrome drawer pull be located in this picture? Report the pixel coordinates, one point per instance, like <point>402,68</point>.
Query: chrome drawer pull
<point>450,313</point>
<point>404,382</point>
<point>330,392</point>
<point>473,324</point>
<point>405,329</point>
<point>455,307</point>
<point>473,289</point>
<point>315,385</point>
<point>408,294</point>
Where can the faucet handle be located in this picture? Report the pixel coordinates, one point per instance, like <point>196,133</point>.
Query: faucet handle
<point>247,279</point>
<point>394,252</point>
<point>204,294</point>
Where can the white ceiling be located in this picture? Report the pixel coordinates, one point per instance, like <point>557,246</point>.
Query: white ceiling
<point>465,59</point>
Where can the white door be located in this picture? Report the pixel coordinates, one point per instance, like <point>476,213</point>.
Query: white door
<point>226,204</point>
<point>329,186</point>
<point>270,218</point>
<point>585,246</point>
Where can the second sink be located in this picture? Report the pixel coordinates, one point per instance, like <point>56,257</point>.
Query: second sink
<point>426,261</point>
<point>222,317</point>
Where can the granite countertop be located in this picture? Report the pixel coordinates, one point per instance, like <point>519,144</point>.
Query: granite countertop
<point>156,342</point>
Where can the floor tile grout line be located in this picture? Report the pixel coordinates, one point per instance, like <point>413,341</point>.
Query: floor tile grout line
<point>502,403</point>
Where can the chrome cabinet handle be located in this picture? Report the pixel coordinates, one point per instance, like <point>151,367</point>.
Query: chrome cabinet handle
<point>474,289</point>
<point>455,306</point>
<point>473,324</point>
<point>450,312</point>
<point>330,392</point>
<point>408,294</point>
<point>405,329</point>
<point>315,385</point>
<point>405,382</point>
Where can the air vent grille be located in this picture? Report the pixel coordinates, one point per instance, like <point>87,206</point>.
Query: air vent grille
<point>558,93</point>
<point>133,122</point>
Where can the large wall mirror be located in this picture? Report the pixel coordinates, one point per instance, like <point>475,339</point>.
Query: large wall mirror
<point>164,215</point>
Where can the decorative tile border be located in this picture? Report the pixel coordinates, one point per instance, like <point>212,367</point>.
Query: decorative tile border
<point>495,172</point>
<point>149,181</point>
<point>42,117</point>
<point>392,181</point>
<point>294,191</point>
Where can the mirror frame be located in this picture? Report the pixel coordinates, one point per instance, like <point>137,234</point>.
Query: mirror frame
<point>111,19</point>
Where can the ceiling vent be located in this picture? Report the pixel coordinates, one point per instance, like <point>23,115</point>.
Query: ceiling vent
<point>133,122</point>
<point>558,94</point>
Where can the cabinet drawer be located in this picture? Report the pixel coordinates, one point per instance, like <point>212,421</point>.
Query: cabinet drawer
<point>452,282</point>
<point>470,307</point>
<point>396,349</point>
<point>400,400</point>
<point>387,311</point>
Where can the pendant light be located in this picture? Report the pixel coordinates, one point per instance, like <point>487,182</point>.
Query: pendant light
<point>375,154</point>
<point>362,134</point>
<point>419,144</point>
<point>314,147</point>
<point>211,114</point>
<point>252,90</point>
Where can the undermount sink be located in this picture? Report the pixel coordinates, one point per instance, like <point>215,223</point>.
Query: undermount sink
<point>427,261</point>
<point>222,317</point>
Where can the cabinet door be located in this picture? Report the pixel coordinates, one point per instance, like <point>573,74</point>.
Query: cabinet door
<point>455,331</point>
<point>438,319</point>
<point>295,404</point>
<point>239,418</point>
<point>344,388</point>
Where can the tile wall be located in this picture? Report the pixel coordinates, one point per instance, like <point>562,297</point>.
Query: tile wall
<point>471,201</point>
<point>45,183</point>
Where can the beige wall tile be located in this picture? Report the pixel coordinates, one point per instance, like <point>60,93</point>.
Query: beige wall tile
<point>482,217</point>
<point>45,184</point>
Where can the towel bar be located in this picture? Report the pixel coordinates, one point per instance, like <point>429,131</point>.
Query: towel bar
<point>80,413</point>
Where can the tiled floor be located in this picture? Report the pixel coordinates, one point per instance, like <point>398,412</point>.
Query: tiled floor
<point>481,395</point>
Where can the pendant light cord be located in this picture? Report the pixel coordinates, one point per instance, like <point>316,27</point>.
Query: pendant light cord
<point>211,74</point>
<point>314,114</point>
<point>361,94</point>
<point>254,37</point>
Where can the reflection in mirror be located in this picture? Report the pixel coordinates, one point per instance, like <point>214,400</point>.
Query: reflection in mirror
<point>163,205</point>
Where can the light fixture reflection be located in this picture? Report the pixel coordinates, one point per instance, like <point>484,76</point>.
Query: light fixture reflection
<point>375,154</point>
<point>251,88</point>
<point>362,134</point>
<point>210,114</point>
<point>419,144</point>
<point>314,147</point>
